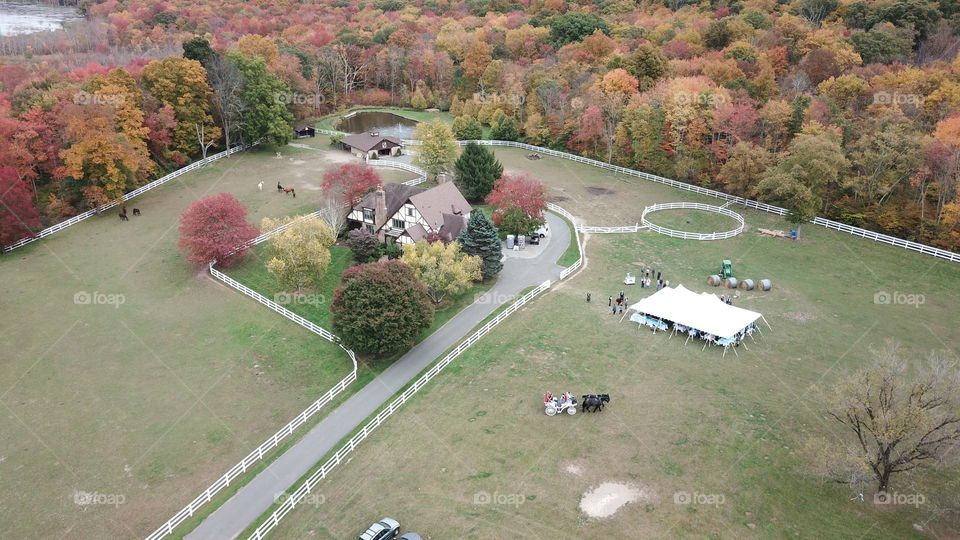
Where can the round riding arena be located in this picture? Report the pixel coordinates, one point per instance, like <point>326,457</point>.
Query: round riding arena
<point>692,235</point>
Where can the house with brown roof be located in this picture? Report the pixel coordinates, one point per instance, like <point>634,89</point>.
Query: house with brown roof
<point>371,144</point>
<point>401,214</point>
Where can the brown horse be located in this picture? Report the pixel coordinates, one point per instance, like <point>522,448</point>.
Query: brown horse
<point>291,191</point>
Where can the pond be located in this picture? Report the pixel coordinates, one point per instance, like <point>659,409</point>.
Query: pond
<point>28,17</point>
<point>382,122</point>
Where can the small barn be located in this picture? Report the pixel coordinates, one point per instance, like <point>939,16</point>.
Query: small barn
<point>305,131</point>
<point>371,144</point>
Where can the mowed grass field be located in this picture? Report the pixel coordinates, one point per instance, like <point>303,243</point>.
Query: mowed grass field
<point>473,455</point>
<point>143,403</point>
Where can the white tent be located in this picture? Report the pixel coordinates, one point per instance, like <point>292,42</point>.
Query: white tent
<point>704,312</point>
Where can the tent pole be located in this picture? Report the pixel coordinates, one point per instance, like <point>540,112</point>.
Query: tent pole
<point>765,320</point>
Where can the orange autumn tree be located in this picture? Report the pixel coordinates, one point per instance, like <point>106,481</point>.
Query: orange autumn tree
<point>98,154</point>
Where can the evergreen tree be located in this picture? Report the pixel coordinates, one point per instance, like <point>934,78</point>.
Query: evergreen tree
<point>505,130</point>
<point>475,171</point>
<point>482,239</point>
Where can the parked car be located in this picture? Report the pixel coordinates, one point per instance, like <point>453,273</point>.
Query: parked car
<point>535,236</point>
<point>410,536</point>
<point>385,528</point>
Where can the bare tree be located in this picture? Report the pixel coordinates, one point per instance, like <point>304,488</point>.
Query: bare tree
<point>205,143</point>
<point>227,83</point>
<point>334,212</point>
<point>899,422</point>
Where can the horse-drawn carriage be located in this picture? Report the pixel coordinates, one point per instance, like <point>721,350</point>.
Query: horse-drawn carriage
<point>566,402</point>
<point>557,404</point>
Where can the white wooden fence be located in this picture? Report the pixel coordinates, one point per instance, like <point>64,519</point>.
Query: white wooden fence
<point>856,231</point>
<point>401,165</point>
<point>257,454</point>
<point>692,235</point>
<point>290,502</point>
<point>570,269</point>
<point>140,190</point>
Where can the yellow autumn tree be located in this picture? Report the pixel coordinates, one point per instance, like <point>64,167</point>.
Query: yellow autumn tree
<point>443,268</point>
<point>300,254</point>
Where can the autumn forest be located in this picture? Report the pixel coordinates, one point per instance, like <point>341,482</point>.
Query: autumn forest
<point>847,109</point>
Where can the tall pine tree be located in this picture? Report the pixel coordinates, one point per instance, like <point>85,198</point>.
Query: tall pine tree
<point>482,239</point>
<point>475,171</point>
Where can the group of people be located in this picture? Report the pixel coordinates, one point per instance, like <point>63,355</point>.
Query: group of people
<point>617,304</point>
<point>560,401</point>
<point>728,300</point>
<point>649,277</point>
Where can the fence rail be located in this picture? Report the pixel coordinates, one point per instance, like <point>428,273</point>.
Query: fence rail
<point>403,166</point>
<point>290,502</point>
<point>691,235</point>
<point>139,191</point>
<point>576,235</point>
<point>257,454</point>
<point>764,207</point>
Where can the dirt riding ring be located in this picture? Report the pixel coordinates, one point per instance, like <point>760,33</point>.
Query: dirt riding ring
<point>692,235</point>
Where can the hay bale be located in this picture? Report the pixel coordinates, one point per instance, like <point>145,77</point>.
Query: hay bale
<point>765,285</point>
<point>714,280</point>
<point>730,283</point>
<point>747,284</point>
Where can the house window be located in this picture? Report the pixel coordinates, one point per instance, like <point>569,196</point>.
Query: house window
<point>368,214</point>
<point>410,211</point>
<point>370,229</point>
<point>399,224</point>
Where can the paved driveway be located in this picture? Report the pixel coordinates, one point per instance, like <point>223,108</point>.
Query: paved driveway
<point>257,496</point>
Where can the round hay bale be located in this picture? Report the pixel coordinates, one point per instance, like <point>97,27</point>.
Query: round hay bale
<point>730,283</point>
<point>765,285</point>
<point>714,280</point>
<point>747,284</point>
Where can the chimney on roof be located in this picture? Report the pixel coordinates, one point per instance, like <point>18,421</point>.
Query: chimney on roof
<point>375,133</point>
<point>380,209</point>
<point>441,178</point>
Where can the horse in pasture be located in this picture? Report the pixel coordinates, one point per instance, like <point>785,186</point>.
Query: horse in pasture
<point>596,401</point>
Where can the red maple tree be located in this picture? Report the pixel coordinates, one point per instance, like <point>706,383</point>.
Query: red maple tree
<point>18,217</point>
<point>215,228</point>
<point>349,182</point>
<point>519,191</point>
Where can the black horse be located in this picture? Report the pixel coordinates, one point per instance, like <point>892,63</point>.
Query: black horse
<point>594,400</point>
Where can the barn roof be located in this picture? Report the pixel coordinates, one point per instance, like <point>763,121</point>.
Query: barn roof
<point>369,140</point>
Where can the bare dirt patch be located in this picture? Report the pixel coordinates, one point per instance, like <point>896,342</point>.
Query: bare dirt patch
<point>595,190</point>
<point>604,500</point>
<point>801,317</point>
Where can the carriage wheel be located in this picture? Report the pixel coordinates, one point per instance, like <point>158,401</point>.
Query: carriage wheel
<point>571,411</point>
<point>551,411</point>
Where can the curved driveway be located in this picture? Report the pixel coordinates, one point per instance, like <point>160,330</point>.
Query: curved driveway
<point>253,499</point>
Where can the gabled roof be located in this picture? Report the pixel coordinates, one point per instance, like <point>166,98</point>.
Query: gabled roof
<point>453,224</point>
<point>416,232</point>
<point>368,141</point>
<point>396,195</point>
<point>443,199</point>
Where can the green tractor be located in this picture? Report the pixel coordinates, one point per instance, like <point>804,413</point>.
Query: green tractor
<point>726,271</point>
